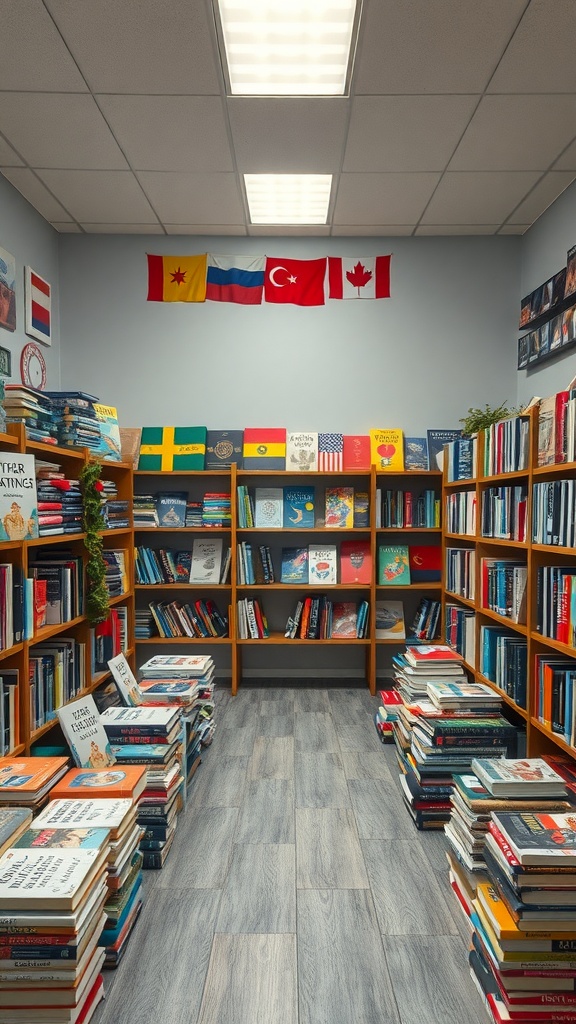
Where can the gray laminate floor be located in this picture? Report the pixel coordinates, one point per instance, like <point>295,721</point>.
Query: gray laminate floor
<point>297,890</point>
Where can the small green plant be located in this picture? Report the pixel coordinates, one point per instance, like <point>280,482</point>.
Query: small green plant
<point>97,597</point>
<point>480,419</point>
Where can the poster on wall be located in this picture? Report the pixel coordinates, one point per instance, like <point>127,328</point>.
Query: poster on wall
<point>37,302</point>
<point>7,290</point>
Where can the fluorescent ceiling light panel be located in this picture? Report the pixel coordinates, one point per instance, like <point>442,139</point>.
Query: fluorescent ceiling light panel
<point>288,198</point>
<point>282,48</point>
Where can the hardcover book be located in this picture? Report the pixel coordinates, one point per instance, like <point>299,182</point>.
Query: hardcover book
<point>13,822</point>
<point>330,453</point>
<point>355,561</point>
<point>387,450</point>
<point>99,812</point>
<point>139,721</point>
<point>23,779</point>
<point>537,838</point>
<point>298,507</point>
<point>344,619</point>
<point>322,565</point>
<point>339,504</point>
<point>46,879</point>
<point>519,777</point>
<point>206,560</point>
<point>85,735</point>
<point>302,451</point>
<point>294,565</point>
<point>356,452</point>
<point>18,501</point>
<point>171,508</point>
<point>436,441</point>
<point>264,448</point>
<point>127,782</point>
<point>390,620</point>
<point>393,565</point>
<point>168,449</point>
<point>415,453</point>
<point>269,505</point>
<point>223,447</point>
<point>425,562</point>
<point>64,838</point>
<point>110,444</point>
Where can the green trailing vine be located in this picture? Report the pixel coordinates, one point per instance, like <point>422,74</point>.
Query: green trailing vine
<point>97,598</point>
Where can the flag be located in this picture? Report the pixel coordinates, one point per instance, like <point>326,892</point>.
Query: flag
<point>359,277</point>
<point>38,307</point>
<point>300,282</point>
<point>235,279</point>
<point>330,448</point>
<point>169,449</point>
<point>177,278</point>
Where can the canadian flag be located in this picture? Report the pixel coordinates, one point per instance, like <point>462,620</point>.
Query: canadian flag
<point>359,277</point>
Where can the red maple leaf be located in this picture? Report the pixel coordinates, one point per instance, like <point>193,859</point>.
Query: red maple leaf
<point>179,276</point>
<point>359,277</point>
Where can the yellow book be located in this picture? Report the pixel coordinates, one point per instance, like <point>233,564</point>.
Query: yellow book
<point>387,450</point>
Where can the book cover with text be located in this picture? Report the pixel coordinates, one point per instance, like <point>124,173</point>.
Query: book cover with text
<point>298,505</point>
<point>18,501</point>
<point>322,565</point>
<point>387,450</point>
<point>355,561</point>
<point>302,451</point>
<point>393,565</point>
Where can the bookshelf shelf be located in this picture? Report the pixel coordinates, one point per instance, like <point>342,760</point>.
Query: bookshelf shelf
<point>554,645</point>
<point>409,529</point>
<point>52,452</point>
<point>470,537</point>
<point>121,597</point>
<point>451,596</point>
<point>183,529</point>
<point>501,542</point>
<point>20,749</point>
<point>556,738</point>
<point>503,478</point>
<point>518,627</point>
<point>383,587</point>
<point>59,538</point>
<point>182,586</point>
<point>10,651</point>
<point>308,588</point>
<point>182,640</point>
<point>58,627</point>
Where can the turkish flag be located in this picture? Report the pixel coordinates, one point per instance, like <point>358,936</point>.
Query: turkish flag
<point>300,282</point>
<point>359,278</point>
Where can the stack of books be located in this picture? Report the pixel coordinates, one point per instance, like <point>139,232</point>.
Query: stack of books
<point>34,409</point>
<point>115,510</point>
<point>387,714</point>
<point>85,799</point>
<point>52,897</point>
<point>180,680</point>
<point>145,514</point>
<point>13,822</point>
<point>524,939</point>
<point>27,781</point>
<point>193,514</point>
<point>77,422</point>
<point>216,510</point>
<point>60,507</point>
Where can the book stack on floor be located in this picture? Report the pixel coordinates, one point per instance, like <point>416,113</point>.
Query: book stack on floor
<point>34,409</point>
<point>145,514</point>
<point>77,422</point>
<point>52,897</point>
<point>27,781</point>
<point>60,506</point>
<point>115,510</point>
<point>387,714</point>
<point>523,956</point>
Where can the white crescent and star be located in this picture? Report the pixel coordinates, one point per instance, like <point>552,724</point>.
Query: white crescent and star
<point>289,280</point>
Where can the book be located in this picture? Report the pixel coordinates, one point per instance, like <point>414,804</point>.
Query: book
<point>339,507</point>
<point>26,780</point>
<point>393,565</point>
<point>98,812</point>
<point>18,500</point>
<point>264,448</point>
<point>322,564</point>
<point>168,449</point>
<point>330,452</point>
<point>435,654</point>
<point>13,822</point>
<point>127,782</point>
<point>84,733</point>
<point>192,666</point>
<point>224,447</point>
<point>356,454</point>
<point>294,565</point>
<point>110,444</point>
<point>298,507</point>
<point>425,562</point>
<point>436,441</point>
<point>355,561</point>
<point>415,454</point>
<point>171,508</point>
<point>47,879</point>
<point>130,445</point>
<point>269,507</point>
<point>125,681</point>
<point>206,560</point>
<point>537,838</point>
<point>302,452</point>
<point>390,620</point>
<point>480,800</point>
<point>142,721</point>
<point>387,450</point>
<point>344,620</point>
<point>519,777</point>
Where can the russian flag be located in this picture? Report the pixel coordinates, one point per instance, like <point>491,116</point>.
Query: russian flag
<point>235,279</point>
<point>39,305</point>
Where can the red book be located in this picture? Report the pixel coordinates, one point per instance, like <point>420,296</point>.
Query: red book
<point>355,561</point>
<point>356,454</point>
<point>40,600</point>
<point>432,654</point>
<point>425,562</point>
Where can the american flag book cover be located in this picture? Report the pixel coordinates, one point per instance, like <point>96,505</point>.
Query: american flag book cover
<point>330,448</point>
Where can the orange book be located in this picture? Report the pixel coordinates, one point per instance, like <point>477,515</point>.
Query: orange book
<point>547,677</point>
<point>305,618</point>
<point>25,777</point>
<point>119,783</point>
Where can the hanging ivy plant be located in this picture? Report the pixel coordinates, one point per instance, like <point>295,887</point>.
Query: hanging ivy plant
<point>97,598</point>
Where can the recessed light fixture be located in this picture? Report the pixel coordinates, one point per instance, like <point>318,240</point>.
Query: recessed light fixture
<point>288,198</point>
<point>299,48</point>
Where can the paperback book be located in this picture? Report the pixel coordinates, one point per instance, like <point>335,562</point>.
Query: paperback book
<point>298,507</point>
<point>339,507</point>
<point>387,450</point>
<point>322,565</point>
<point>393,565</point>
<point>519,777</point>
<point>294,565</point>
<point>85,734</point>
<point>390,620</point>
<point>269,505</point>
<point>436,441</point>
<point>302,452</point>
<point>171,508</point>
<point>18,500</point>
<point>206,560</point>
<point>355,561</point>
<point>415,454</point>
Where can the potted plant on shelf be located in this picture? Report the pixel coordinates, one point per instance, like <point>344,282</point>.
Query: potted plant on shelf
<point>480,419</point>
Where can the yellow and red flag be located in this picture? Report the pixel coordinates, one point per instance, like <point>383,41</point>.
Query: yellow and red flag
<point>177,278</point>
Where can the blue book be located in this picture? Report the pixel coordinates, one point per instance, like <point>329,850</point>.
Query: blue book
<point>415,453</point>
<point>223,447</point>
<point>294,565</point>
<point>299,507</point>
<point>436,441</point>
<point>171,508</point>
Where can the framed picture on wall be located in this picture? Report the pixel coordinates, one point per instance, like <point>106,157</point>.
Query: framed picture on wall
<point>5,362</point>
<point>7,291</point>
<point>37,304</point>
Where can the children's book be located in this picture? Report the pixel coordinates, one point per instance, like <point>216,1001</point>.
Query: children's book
<point>339,507</point>
<point>294,565</point>
<point>355,561</point>
<point>99,812</point>
<point>344,620</point>
<point>23,779</point>
<point>393,565</point>
<point>390,620</point>
<point>127,782</point>
<point>298,510</point>
<point>415,453</point>
<point>387,450</point>
<point>126,684</point>
<point>436,441</point>
<point>206,560</point>
<point>18,501</point>
<point>171,508</point>
<point>322,565</point>
<point>356,452</point>
<point>110,444</point>
<point>302,452</point>
<point>85,734</point>
<point>13,822</point>
<point>269,504</point>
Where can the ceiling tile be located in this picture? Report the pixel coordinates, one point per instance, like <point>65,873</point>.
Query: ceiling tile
<point>541,197</point>
<point>67,229</point>
<point>284,230</point>
<point>8,158</point>
<point>141,46</point>
<point>289,135</point>
<point>123,229</point>
<point>59,130</point>
<point>446,46</point>
<point>100,196</point>
<point>372,230</point>
<point>382,198</point>
<point>540,57</point>
<point>205,229</point>
<point>34,56</point>
<point>567,162</point>
<point>457,229</point>
<point>36,193</point>
<point>405,133</point>
<point>514,229</point>
<point>193,198</point>
<point>484,197</point>
<point>516,133</point>
<point>162,133</point>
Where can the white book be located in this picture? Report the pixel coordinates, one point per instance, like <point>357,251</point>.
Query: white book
<point>302,452</point>
<point>269,507</point>
<point>206,560</point>
<point>140,719</point>
<point>188,665</point>
<point>102,812</point>
<point>126,684</point>
<point>46,879</point>
<point>18,501</point>
<point>322,565</point>
<point>85,734</point>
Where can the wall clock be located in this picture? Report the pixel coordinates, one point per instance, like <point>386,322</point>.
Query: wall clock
<point>33,367</point>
